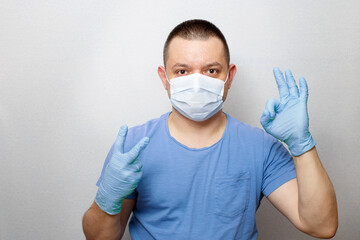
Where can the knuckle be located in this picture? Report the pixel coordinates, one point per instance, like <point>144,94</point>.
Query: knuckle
<point>137,166</point>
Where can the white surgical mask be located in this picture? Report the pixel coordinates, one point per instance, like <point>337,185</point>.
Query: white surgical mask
<point>197,96</point>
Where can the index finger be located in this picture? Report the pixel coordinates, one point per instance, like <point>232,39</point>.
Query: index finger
<point>283,87</point>
<point>120,139</point>
<point>135,151</point>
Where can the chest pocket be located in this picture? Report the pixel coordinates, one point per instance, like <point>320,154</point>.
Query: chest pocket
<point>232,194</point>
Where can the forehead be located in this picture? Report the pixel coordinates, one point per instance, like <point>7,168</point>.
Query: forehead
<point>196,52</point>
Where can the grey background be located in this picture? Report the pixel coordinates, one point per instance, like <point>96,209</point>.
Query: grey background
<point>72,72</point>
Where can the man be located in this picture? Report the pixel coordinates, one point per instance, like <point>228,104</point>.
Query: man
<point>198,173</point>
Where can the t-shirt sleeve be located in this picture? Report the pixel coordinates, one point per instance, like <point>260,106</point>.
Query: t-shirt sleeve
<point>133,195</point>
<point>278,166</point>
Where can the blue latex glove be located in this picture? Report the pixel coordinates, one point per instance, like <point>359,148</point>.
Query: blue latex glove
<point>287,119</point>
<point>122,174</point>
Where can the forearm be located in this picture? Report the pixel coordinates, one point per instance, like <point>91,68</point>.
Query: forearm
<point>98,225</point>
<point>317,202</point>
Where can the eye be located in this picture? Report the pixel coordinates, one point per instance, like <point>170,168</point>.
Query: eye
<point>212,71</point>
<point>181,72</point>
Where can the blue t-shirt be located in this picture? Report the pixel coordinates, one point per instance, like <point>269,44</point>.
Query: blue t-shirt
<point>204,193</point>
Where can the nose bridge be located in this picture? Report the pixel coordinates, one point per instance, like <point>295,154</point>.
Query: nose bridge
<point>196,81</point>
<point>197,69</point>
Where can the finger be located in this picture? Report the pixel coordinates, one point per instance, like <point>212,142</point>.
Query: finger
<point>304,93</point>
<point>136,165</point>
<point>293,89</point>
<point>269,112</point>
<point>135,151</point>
<point>138,174</point>
<point>279,77</point>
<point>120,139</point>
<point>271,106</point>
<point>265,119</point>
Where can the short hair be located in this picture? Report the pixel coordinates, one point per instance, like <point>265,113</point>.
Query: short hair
<point>195,29</point>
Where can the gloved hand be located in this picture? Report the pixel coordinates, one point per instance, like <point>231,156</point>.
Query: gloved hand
<point>287,119</point>
<point>122,174</point>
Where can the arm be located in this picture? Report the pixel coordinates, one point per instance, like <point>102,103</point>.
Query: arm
<point>108,215</point>
<point>99,225</point>
<point>308,201</point>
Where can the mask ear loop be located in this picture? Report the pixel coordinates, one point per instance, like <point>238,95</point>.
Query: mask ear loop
<point>227,76</point>
<point>167,78</point>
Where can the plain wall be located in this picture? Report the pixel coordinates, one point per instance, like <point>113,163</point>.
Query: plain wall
<point>72,72</point>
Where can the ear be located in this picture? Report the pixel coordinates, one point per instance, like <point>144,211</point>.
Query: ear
<point>161,72</point>
<point>232,72</point>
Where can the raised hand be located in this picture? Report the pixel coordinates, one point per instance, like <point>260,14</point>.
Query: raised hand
<point>122,174</point>
<point>287,118</point>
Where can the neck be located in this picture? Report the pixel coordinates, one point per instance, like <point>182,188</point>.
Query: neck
<point>196,134</point>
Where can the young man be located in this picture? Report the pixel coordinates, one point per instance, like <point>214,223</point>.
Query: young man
<point>198,173</point>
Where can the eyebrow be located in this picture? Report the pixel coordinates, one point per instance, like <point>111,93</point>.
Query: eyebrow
<point>213,64</point>
<point>180,65</point>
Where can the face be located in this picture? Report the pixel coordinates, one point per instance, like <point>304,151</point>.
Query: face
<point>197,56</point>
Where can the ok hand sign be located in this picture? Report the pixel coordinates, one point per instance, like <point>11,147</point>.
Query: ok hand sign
<point>287,118</point>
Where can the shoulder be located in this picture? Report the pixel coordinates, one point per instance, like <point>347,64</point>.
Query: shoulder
<point>254,136</point>
<point>147,129</point>
<point>245,130</point>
